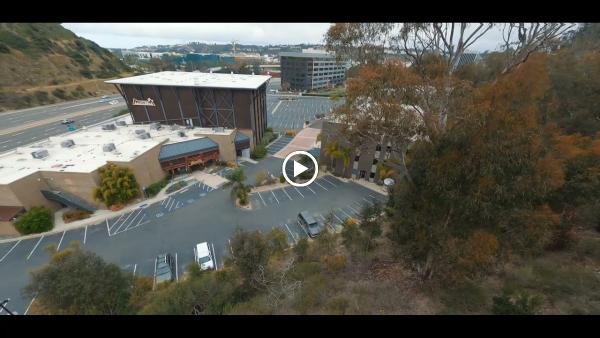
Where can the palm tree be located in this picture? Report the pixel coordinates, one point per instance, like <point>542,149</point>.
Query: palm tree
<point>238,188</point>
<point>345,153</point>
<point>331,150</point>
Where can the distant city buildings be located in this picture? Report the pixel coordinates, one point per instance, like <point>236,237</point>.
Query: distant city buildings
<point>310,70</point>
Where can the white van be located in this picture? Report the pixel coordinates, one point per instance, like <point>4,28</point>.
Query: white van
<point>203,256</point>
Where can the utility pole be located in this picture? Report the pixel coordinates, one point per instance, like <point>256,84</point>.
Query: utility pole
<point>4,308</point>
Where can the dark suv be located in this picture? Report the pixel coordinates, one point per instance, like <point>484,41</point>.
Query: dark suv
<point>313,227</point>
<point>164,269</point>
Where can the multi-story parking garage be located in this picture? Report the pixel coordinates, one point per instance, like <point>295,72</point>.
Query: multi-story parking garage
<point>208,100</point>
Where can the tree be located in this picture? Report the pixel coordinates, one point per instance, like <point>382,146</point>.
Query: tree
<point>117,185</point>
<point>35,220</point>
<point>521,304</point>
<point>80,282</point>
<point>251,253</point>
<point>238,188</point>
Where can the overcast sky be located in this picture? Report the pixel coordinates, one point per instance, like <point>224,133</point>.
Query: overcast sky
<point>129,35</point>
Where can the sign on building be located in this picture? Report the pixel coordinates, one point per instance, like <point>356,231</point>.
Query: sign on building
<point>147,102</point>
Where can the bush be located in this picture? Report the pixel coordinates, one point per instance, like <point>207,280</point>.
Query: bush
<point>269,130</point>
<point>61,94</point>
<point>261,177</point>
<point>281,179</point>
<point>117,185</point>
<point>75,215</point>
<point>35,220</point>
<point>258,152</point>
<point>334,263</point>
<point>176,186</point>
<point>4,49</point>
<point>122,112</point>
<point>156,187</point>
<point>242,195</point>
<point>522,304</point>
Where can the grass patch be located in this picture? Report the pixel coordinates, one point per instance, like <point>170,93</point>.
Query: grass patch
<point>469,297</point>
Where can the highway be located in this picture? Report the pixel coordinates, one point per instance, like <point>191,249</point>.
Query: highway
<point>29,125</point>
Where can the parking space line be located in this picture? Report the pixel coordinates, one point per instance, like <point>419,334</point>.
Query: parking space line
<point>358,205</point>
<point>172,203</point>
<point>134,268</point>
<point>301,227</point>
<point>366,200</point>
<point>28,306</point>
<point>154,275</point>
<point>274,196</point>
<point>163,202</point>
<point>61,238</point>
<point>85,235</point>
<point>176,269</point>
<point>321,186</point>
<point>326,180</point>
<point>125,220</point>
<point>288,195</point>
<point>299,192</point>
<point>11,249</point>
<point>347,214</point>
<point>107,228</point>
<point>339,219</point>
<point>261,198</point>
<point>36,245</point>
<point>178,205</point>
<point>290,231</point>
<point>117,220</point>
<point>230,248</point>
<point>215,256</point>
<point>311,190</point>
<point>138,223</point>
<point>351,208</point>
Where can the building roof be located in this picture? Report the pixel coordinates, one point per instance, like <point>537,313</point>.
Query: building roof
<point>239,137</point>
<point>87,153</point>
<point>306,55</point>
<point>196,79</point>
<point>186,148</point>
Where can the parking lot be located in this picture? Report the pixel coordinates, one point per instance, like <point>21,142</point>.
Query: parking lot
<point>279,144</point>
<point>291,114</point>
<point>175,225</point>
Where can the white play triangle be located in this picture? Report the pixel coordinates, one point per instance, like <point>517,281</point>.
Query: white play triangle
<point>299,168</point>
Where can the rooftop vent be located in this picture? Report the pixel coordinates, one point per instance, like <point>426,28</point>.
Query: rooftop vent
<point>121,123</point>
<point>109,127</point>
<point>144,136</point>
<point>67,143</point>
<point>140,131</point>
<point>174,127</point>
<point>181,134</point>
<point>108,147</point>
<point>219,129</point>
<point>39,154</point>
<point>155,126</point>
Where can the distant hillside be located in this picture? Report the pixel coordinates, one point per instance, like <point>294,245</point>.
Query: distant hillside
<point>42,63</point>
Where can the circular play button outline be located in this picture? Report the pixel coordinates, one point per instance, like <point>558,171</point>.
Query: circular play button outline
<point>299,152</point>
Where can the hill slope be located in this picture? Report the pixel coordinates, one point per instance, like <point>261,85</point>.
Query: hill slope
<point>38,58</point>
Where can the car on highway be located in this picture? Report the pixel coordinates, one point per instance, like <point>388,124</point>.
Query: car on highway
<point>104,97</point>
<point>203,256</point>
<point>114,102</point>
<point>313,227</point>
<point>164,268</point>
<point>66,121</point>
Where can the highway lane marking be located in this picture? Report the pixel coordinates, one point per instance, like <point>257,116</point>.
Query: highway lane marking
<point>61,238</point>
<point>11,249</point>
<point>36,245</point>
<point>288,195</point>
<point>275,196</point>
<point>261,198</point>
<point>21,133</point>
<point>85,235</point>
<point>30,303</point>
<point>5,142</point>
<point>321,186</point>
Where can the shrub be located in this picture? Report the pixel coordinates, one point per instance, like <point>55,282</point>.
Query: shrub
<point>277,240</point>
<point>121,112</point>
<point>301,249</point>
<point>75,215</point>
<point>261,177</point>
<point>60,93</point>
<point>117,185</point>
<point>334,263</point>
<point>258,152</point>
<point>176,186</point>
<point>522,304</point>
<point>337,305</point>
<point>156,187</point>
<point>269,130</point>
<point>290,133</point>
<point>35,220</point>
<point>242,195</point>
<point>281,179</point>
<point>4,49</point>
<point>86,73</point>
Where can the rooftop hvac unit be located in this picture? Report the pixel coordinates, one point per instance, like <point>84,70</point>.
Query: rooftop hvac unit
<point>181,134</point>
<point>109,127</point>
<point>140,131</point>
<point>121,123</point>
<point>108,147</point>
<point>219,129</point>
<point>174,127</point>
<point>39,154</point>
<point>144,136</point>
<point>155,126</point>
<point>67,143</point>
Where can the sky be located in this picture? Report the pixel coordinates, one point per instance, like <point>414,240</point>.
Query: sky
<point>129,35</point>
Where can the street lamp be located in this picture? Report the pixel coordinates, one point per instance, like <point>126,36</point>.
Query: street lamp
<point>3,307</point>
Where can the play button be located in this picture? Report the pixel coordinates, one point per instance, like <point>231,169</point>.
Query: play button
<point>299,168</point>
<point>303,168</point>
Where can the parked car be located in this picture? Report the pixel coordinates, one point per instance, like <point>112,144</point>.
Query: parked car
<point>66,121</point>
<point>165,269</point>
<point>203,256</point>
<point>313,227</point>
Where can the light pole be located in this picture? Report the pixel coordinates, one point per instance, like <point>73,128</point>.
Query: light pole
<point>3,306</point>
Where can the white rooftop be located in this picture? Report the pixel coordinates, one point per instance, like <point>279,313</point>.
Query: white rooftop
<point>196,79</point>
<point>87,154</point>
